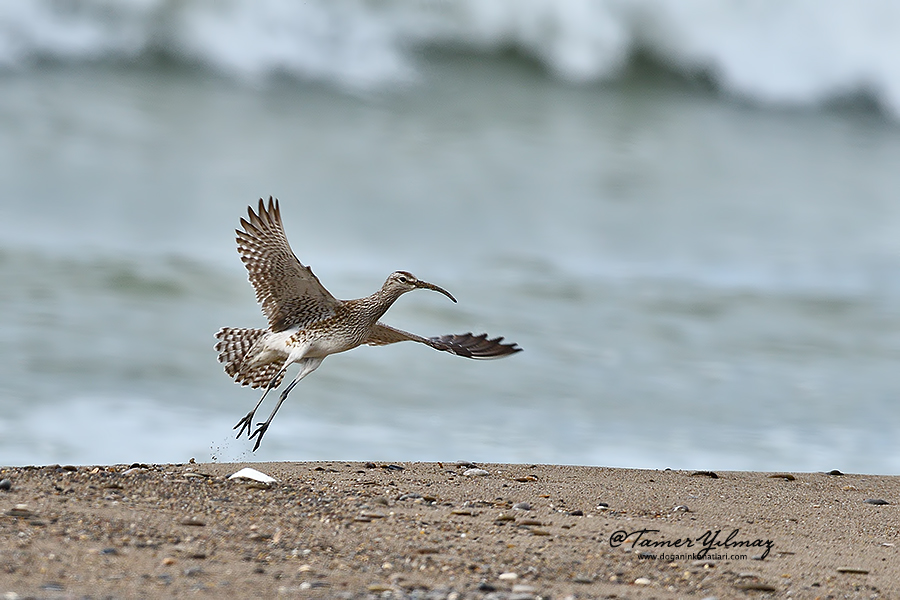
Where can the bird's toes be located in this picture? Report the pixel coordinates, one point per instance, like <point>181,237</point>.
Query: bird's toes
<point>244,424</point>
<point>258,434</point>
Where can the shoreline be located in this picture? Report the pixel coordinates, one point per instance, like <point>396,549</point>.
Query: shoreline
<point>335,529</point>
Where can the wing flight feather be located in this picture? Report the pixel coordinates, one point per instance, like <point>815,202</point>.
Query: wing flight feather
<point>287,290</point>
<point>466,344</point>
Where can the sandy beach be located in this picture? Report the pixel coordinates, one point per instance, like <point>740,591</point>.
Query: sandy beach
<point>444,530</point>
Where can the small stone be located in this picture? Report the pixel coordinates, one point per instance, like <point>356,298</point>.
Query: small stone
<point>521,588</point>
<point>410,496</point>
<point>5,485</point>
<point>192,521</point>
<point>168,561</point>
<point>755,586</point>
<point>853,570</point>
<point>876,501</point>
<point>642,581</point>
<point>20,510</point>
<point>786,476</point>
<point>109,551</point>
<point>475,473</point>
<point>521,506</point>
<point>582,579</point>
<point>462,511</point>
<point>709,474</point>
<point>508,576</point>
<point>372,515</point>
<point>575,513</point>
<point>379,587</point>
<point>835,472</point>
<point>681,508</point>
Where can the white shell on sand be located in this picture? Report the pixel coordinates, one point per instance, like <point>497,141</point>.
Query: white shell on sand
<point>248,473</point>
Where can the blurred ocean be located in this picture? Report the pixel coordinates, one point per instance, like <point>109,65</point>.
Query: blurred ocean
<point>686,212</point>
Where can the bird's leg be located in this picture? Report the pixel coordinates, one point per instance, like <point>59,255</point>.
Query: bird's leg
<point>247,421</point>
<point>307,366</point>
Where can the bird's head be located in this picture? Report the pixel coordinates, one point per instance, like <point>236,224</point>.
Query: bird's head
<point>400,282</point>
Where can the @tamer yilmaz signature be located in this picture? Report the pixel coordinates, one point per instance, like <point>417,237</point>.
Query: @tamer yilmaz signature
<point>708,542</point>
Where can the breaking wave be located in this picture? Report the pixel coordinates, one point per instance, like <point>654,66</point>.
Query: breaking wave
<point>787,52</point>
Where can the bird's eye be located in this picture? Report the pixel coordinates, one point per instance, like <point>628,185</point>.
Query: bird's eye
<point>403,279</point>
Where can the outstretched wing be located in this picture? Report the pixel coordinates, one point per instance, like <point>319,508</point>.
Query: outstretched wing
<point>466,344</point>
<point>287,290</point>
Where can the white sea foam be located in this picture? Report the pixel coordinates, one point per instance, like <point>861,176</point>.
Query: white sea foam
<point>782,52</point>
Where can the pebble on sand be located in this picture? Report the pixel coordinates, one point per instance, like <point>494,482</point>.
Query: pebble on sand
<point>853,570</point>
<point>475,473</point>
<point>20,510</point>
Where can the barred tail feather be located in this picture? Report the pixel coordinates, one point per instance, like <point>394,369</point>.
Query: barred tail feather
<point>233,346</point>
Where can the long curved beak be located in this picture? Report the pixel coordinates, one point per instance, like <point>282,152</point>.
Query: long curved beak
<point>430,286</point>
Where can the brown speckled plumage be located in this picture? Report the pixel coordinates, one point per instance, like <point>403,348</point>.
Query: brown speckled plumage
<point>307,323</point>
<point>234,344</point>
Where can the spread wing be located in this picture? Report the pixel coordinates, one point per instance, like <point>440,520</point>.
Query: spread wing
<point>466,344</point>
<point>287,290</point>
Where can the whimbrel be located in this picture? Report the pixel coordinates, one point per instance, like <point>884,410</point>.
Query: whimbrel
<point>307,323</point>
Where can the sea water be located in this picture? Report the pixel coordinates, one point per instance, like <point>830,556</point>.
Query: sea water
<point>686,213</point>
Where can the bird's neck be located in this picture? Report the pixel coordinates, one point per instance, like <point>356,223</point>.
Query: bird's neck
<point>378,303</point>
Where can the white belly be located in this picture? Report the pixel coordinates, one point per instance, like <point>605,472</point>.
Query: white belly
<point>287,346</point>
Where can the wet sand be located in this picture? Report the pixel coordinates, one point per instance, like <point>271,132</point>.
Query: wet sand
<point>432,530</point>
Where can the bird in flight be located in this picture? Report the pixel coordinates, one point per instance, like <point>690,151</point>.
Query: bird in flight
<point>307,323</point>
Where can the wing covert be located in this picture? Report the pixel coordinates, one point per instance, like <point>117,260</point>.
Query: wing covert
<point>287,290</point>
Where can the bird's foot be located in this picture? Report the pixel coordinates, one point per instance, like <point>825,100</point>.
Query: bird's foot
<point>245,424</point>
<point>260,431</point>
